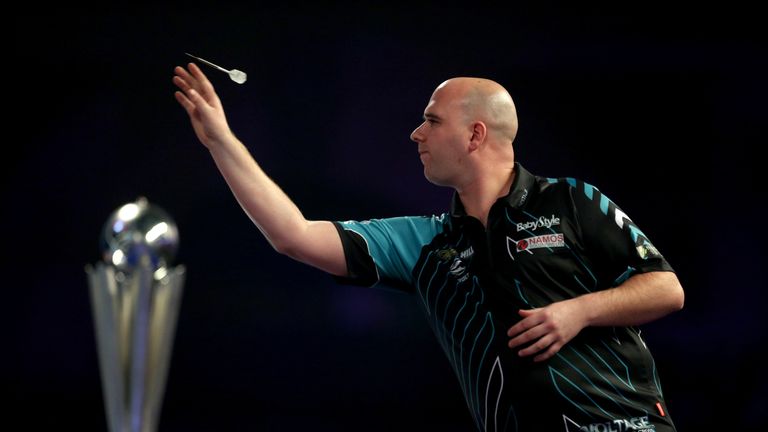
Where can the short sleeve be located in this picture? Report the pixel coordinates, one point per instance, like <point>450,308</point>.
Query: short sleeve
<point>614,241</point>
<point>385,249</point>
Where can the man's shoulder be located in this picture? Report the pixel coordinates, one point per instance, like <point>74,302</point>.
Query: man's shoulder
<point>422,224</point>
<point>564,184</point>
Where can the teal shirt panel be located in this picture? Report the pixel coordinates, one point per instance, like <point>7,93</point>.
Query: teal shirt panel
<point>395,243</point>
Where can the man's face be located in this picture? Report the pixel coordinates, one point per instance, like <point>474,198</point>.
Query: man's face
<point>443,137</point>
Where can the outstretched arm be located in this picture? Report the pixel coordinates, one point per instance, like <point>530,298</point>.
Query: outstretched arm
<point>640,299</point>
<point>316,243</point>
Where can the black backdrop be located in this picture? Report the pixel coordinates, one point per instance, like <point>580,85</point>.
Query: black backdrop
<point>662,108</point>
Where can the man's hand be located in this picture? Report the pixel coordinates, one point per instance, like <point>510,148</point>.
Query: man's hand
<point>198,97</point>
<point>548,328</point>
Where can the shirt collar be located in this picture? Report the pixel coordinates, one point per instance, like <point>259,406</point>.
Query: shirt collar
<point>519,192</point>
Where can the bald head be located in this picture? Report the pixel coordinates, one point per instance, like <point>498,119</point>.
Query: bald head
<point>484,100</point>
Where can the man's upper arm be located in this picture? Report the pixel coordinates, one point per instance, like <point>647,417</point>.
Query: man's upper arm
<point>320,247</point>
<point>390,246</point>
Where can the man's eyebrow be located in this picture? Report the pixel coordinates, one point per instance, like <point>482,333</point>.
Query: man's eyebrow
<point>430,116</point>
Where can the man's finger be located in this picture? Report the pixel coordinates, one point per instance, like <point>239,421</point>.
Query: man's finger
<point>527,336</point>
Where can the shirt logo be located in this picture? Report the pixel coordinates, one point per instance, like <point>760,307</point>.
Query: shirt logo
<point>524,196</point>
<point>647,250</point>
<point>458,266</point>
<point>447,253</point>
<point>541,222</point>
<point>536,242</point>
<point>542,241</point>
<point>634,424</point>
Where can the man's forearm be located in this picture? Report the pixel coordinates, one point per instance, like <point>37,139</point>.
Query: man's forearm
<point>640,299</point>
<point>273,212</point>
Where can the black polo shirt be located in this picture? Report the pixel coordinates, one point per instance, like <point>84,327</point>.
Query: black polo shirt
<point>547,240</point>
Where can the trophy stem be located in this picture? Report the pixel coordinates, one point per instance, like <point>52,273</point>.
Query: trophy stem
<point>138,326</point>
<point>135,317</point>
<point>104,303</point>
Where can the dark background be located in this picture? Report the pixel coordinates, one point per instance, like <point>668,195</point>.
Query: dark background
<point>662,107</point>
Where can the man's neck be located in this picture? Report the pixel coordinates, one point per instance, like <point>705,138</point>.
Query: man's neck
<point>479,196</point>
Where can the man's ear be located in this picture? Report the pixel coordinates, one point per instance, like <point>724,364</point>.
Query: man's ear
<point>479,133</point>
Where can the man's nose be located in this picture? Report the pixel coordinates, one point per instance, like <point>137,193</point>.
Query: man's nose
<point>417,135</point>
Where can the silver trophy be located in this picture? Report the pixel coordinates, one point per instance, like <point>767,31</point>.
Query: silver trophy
<point>135,298</point>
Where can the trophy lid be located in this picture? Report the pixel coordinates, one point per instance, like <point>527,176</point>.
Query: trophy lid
<point>136,230</point>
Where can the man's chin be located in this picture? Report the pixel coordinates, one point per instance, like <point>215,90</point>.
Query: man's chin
<point>435,180</point>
